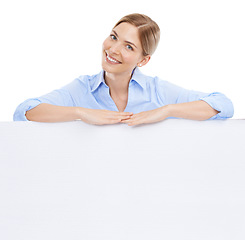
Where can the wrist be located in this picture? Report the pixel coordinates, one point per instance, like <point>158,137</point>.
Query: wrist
<point>167,109</point>
<point>174,110</point>
<point>78,112</point>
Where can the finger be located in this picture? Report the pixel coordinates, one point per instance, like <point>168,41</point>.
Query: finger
<point>126,120</point>
<point>136,121</point>
<point>134,117</point>
<point>113,121</point>
<point>132,122</point>
<point>118,118</point>
<point>125,114</point>
<point>129,113</point>
<point>115,115</point>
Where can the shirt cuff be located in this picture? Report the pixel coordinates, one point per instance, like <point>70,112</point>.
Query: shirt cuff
<point>20,112</point>
<point>223,105</point>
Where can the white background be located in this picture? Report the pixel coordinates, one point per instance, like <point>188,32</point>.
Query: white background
<point>46,44</point>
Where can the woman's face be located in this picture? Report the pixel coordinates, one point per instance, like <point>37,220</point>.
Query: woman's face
<point>122,50</point>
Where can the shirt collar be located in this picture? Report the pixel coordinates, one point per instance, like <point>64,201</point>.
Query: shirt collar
<point>137,77</point>
<point>99,79</point>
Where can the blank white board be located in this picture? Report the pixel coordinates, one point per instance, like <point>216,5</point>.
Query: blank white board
<point>173,180</point>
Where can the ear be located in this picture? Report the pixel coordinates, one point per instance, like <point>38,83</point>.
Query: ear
<point>144,61</point>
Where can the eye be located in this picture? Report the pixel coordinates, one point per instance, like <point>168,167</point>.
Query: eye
<point>129,47</point>
<point>113,37</point>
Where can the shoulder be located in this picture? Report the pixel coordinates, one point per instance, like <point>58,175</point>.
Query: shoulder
<point>83,82</point>
<point>166,87</point>
<point>157,83</point>
<point>152,81</point>
<point>165,91</point>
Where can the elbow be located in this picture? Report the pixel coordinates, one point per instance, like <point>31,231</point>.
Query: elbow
<point>207,115</point>
<point>24,111</point>
<point>29,116</point>
<point>36,114</point>
<point>222,107</point>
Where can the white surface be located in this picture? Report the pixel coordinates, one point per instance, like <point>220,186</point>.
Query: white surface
<point>174,180</point>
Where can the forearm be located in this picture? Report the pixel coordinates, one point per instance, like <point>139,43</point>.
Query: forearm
<point>50,113</point>
<point>197,110</point>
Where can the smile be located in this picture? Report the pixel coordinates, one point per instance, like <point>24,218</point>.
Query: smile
<point>111,59</point>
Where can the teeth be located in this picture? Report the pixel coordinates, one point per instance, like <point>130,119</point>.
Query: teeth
<point>112,60</point>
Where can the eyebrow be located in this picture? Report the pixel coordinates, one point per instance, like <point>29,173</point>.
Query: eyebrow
<point>125,41</point>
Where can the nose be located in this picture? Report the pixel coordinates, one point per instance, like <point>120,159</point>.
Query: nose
<point>115,48</point>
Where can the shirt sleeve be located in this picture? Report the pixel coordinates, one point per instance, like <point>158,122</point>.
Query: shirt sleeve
<point>59,97</point>
<point>171,94</point>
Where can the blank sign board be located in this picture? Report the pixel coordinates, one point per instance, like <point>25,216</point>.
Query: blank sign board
<point>174,180</point>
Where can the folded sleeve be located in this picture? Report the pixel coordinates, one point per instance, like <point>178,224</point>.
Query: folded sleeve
<point>171,94</point>
<point>221,103</point>
<point>59,97</point>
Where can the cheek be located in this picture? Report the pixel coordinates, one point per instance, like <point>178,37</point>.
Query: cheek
<point>129,57</point>
<point>105,45</point>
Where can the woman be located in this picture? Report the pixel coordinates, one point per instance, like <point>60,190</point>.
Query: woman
<point>120,92</point>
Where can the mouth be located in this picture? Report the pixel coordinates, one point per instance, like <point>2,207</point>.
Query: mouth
<point>111,60</point>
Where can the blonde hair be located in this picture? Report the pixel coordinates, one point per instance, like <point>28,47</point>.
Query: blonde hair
<point>149,31</point>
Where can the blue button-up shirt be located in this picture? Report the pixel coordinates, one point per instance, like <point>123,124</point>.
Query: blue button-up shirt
<point>144,93</point>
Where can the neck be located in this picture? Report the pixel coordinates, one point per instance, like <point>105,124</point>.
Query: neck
<point>118,83</point>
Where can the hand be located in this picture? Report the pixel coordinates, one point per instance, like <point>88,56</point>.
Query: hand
<point>151,116</point>
<point>100,117</point>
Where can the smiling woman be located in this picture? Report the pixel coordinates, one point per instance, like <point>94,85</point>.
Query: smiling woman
<point>120,92</point>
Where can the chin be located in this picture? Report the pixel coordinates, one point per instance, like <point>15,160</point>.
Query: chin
<point>110,68</point>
